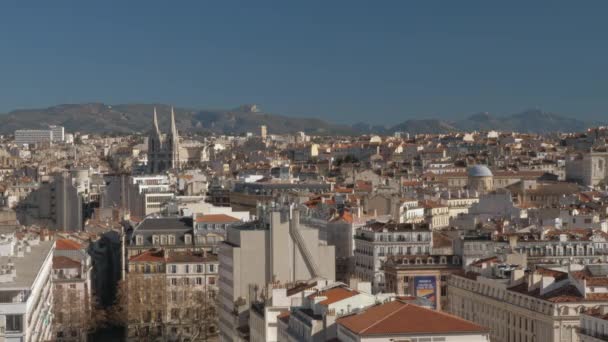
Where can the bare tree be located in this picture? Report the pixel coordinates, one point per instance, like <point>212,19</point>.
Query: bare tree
<point>140,306</point>
<point>193,316</point>
<point>75,316</point>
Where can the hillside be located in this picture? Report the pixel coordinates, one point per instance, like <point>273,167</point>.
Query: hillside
<point>128,118</point>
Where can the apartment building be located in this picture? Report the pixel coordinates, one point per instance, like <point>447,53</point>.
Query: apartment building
<point>72,307</point>
<point>542,305</point>
<point>315,319</point>
<point>276,248</point>
<point>170,295</point>
<point>374,242</point>
<point>33,136</point>
<point>26,295</point>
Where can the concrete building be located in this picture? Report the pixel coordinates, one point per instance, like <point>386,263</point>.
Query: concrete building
<point>26,294</point>
<point>33,136</point>
<point>277,248</point>
<point>58,133</point>
<point>55,204</point>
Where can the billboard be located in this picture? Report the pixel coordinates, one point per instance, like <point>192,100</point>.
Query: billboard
<point>426,287</point>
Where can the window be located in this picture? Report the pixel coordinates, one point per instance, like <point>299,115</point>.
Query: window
<point>199,281</point>
<point>199,268</point>
<point>174,281</point>
<point>211,280</point>
<point>187,268</point>
<point>14,323</point>
<point>173,269</point>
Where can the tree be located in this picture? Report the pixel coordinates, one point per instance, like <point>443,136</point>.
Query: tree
<point>75,316</point>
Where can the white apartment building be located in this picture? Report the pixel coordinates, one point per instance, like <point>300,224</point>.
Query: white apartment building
<point>58,133</point>
<point>274,300</point>
<point>315,319</point>
<point>277,248</point>
<point>33,136</point>
<point>544,305</point>
<point>376,241</point>
<point>26,296</point>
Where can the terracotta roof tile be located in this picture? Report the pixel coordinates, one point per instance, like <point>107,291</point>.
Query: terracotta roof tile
<point>67,245</point>
<point>216,218</point>
<point>334,295</point>
<point>65,262</point>
<point>397,317</point>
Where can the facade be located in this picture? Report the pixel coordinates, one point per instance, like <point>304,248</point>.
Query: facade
<point>58,133</point>
<point>544,305</point>
<point>170,296</point>
<point>72,276</point>
<point>421,276</point>
<point>52,205</point>
<point>26,294</point>
<point>33,136</point>
<point>594,325</point>
<point>278,248</point>
<point>376,241</point>
<point>163,149</point>
<point>314,320</point>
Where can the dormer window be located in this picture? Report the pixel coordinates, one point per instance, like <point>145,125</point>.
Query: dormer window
<point>163,240</point>
<point>171,239</point>
<point>139,240</point>
<point>188,239</point>
<point>155,239</point>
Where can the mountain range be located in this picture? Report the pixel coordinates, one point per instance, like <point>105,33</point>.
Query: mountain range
<point>131,118</point>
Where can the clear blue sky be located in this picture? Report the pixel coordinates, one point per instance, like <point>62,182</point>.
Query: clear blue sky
<point>347,61</point>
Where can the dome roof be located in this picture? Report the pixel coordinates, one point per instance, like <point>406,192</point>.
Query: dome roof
<point>479,171</point>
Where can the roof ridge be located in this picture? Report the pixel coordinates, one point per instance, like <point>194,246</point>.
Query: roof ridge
<point>385,317</point>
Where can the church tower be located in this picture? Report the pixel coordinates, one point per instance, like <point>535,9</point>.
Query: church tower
<point>163,149</point>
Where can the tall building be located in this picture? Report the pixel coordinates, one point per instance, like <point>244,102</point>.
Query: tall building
<point>280,249</point>
<point>58,133</point>
<point>163,149</point>
<point>55,204</point>
<point>263,132</point>
<point>26,296</point>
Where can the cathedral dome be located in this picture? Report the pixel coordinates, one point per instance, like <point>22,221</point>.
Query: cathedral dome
<point>479,171</point>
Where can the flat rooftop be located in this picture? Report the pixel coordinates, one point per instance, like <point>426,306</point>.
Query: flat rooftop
<point>27,267</point>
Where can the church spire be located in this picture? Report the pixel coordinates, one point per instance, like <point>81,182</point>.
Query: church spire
<point>156,129</point>
<point>173,128</point>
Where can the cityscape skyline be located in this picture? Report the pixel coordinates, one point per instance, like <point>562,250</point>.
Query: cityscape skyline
<point>392,62</point>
